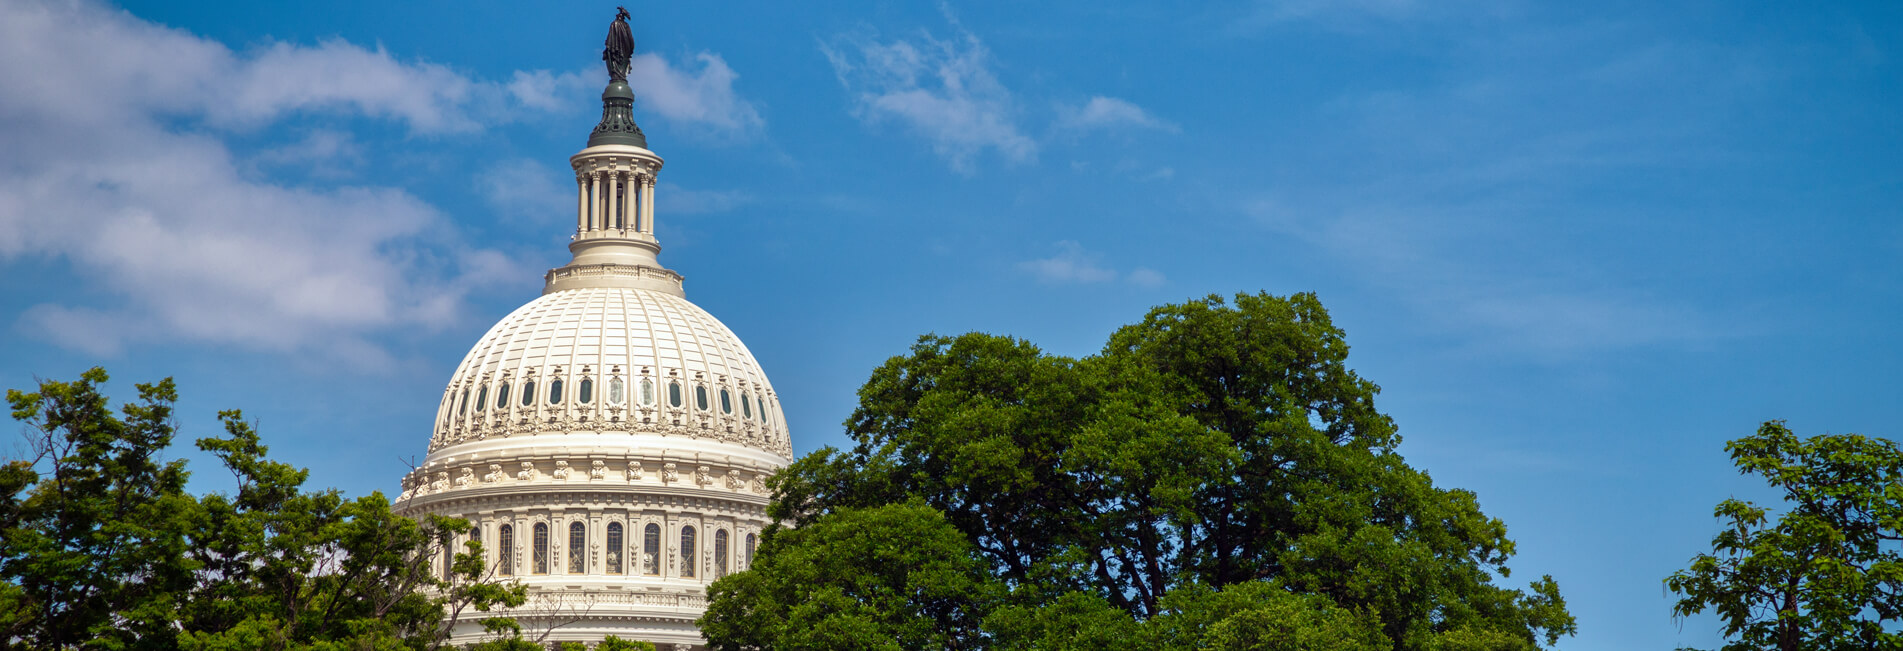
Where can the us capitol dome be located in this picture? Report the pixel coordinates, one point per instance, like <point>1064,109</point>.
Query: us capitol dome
<point>610,440</point>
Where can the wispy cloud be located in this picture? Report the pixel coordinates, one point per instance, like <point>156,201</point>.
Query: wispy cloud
<point>1108,114</point>
<point>1073,265</point>
<point>942,90</point>
<point>190,246</point>
<point>327,153</point>
<point>699,95</point>
<point>703,97</point>
<point>526,189</point>
<point>673,199</point>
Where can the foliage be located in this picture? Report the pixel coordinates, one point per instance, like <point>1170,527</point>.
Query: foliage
<point>1208,446</point>
<point>1827,573</point>
<point>612,643</point>
<point>104,549</point>
<point>886,577</point>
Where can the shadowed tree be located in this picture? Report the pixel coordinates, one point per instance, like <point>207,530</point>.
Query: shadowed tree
<point>102,548</point>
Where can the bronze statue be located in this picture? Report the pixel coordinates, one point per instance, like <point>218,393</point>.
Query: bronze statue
<point>620,46</point>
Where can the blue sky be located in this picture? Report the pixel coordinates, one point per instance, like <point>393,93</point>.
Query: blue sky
<point>1579,245</point>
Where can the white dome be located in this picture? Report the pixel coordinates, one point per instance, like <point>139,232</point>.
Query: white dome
<point>609,442</point>
<point>617,366</point>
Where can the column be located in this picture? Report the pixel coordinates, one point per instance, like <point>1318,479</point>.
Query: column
<point>614,201</point>
<point>647,203</point>
<point>581,205</point>
<point>594,202</point>
<point>630,205</point>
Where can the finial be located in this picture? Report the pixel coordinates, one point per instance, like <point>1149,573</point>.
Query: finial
<point>617,100</point>
<point>619,47</point>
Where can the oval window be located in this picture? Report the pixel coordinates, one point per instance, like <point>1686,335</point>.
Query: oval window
<point>502,396</point>
<point>528,393</point>
<point>674,394</point>
<point>614,391</point>
<point>647,392</point>
<point>555,391</point>
<point>726,404</point>
<point>763,413</point>
<point>462,404</point>
<point>587,391</point>
<point>746,405</point>
<point>482,397</point>
<point>700,397</point>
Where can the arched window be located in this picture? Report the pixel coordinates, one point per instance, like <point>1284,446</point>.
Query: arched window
<point>651,550</point>
<point>647,392</point>
<point>528,393</point>
<point>614,548</point>
<point>687,552</point>
<point>555,391</point>
<point>750,541</point>
<point>720,553</point>
<point>674,394</point>
<point>505,550</point>
<point>541,548</point>
<point>726,404</point>
<point>587,391</point>
<point>482,397</point>
<point>764,415</point>
<point>462,403</point>
<point>700,397</point>
<point>746,406</point>
<point>577,548</point>
<point>502,396</point>
<point>614,391</point>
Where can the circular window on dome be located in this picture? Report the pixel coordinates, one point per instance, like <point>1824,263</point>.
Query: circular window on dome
<point>528,393</point>
<point>700,397</point>
<point>746,405</point>
<point>614,391</point>
<point>502,396</point>
<point>555,391</point>
<point>482,397</point>
<point>647,392</point>
<point>674,394</point>
<point>726,403</point>
<point>587,393</point>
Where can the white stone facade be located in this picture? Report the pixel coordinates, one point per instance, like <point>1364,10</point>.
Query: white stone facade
<point>607,408</point>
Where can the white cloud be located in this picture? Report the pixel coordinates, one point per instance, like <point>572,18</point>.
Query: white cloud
<point>324,152</point>
<point>1146,277</point>
<point>1073,265</point>
<point>1108,114</point>
<point>704,98</point>
<point>942,90</point>
<point>547,91</point>
<point>523,188</point>
<point>162,219</point>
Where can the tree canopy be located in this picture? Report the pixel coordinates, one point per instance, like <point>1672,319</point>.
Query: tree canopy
<point>1827,572</point>
<point>101,547</point>
<point>1215,467</point>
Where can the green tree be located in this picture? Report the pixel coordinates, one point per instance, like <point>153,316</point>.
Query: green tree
<point>886,577</point>
<point>1209,445</point>
<point>1826,573</point>
<point>102,548</point>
